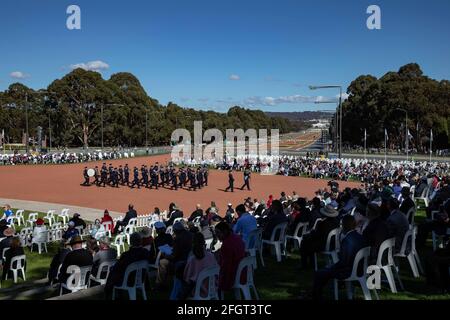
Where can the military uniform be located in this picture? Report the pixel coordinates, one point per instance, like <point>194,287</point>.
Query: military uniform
<point>86,177</point>
<point>246,179</point>
<point>126,172</point>
<point>96,176</point>
<point>230,182</point>
<point>136,178</point>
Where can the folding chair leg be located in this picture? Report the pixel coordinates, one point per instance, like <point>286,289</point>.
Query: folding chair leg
<point>365,289</point>
<point>419,264</point>
<point>390,278</point>
<point>397,275</point>
<point>349,290</point>
<point>412,263</point>
<point>336,289</point>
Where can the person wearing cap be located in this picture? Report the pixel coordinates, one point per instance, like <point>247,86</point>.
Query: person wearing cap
<point>245,223</point>
<point>397,223</point>
<point>78,221</point>
<point>198,212</point>
<point>6,242</point>
<point>135,253</point>
<point>40,231</point>
<point>104,254</point>
<point>407,203</point>
<point>71,231</point>
<point>351,243</point>
<point>77,257</point>
<point>174,262</point>
<point>162,238</point>
<point>315,241</point>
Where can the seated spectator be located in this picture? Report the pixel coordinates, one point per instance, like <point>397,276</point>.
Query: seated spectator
<point>162,238</point>
<point>131,214</point>
<point>70,232</point>
<point>107,218</point>
<point>78,257</point>
<point>175,261</point>
<point>198,260</point>
<point>3,227</point>
<point>407,202</point>
<point>439,225</point>
<point>397,223</point>
<point>104,254</point>
<point>229,214</point>
<point>7,212</point>
<point>134,254</point>
<point>376,231</point>
<point>98,230</point>
<point>91,245</point>
<point>198,212</point>
<point>230,255</point>
<point>350,245</point>
<point>6,242</point>
<point>78,221</point>
<point>245,223</point>
<point>40,231</point>
<point>57,261</point>
<point>276,217</point>
<point>316,206</point>
<point>174,214</point>
<point>15,249</point>
<point>316,240</point>
<point>147,239</point>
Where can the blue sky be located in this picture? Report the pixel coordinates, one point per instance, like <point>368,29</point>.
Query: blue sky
<point>189,51</point>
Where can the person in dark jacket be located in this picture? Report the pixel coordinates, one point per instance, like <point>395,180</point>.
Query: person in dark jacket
<point>316,240</point>
<point>78,221</point>
<point>350,245</point>
<point>77,257</point>
<point>6,242</point>
<point>15,249</point>
<point>175,213</point>
<point>57,260</point>
<point>376,231</point>
<point>407,202</point>
<point>276,217</point>
<point>134,254</point>
<point>128,216</point>
<point>198,212</point>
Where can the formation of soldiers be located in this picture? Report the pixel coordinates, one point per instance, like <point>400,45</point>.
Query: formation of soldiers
<point>153,176</point>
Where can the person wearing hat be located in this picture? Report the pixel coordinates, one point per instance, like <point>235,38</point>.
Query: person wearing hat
<point>77,257</point>
<point>351,243</point>
<point>316,240</point>
<point>104,254</point>
<point>40,231</point>
<point>407,203</point>
<point>6,242</point>
<point>71,231</point>
<point>162,238</point>
<point>397,223</point>
<point>135,253</point>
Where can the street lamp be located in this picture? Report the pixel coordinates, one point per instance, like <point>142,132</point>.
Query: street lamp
<point>26,123</point>
<point>406,133</point>
<point>340,111</point>
<point>336,123</point>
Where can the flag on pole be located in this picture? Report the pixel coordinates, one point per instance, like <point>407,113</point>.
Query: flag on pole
<point>386,134</point>
<point>431,135</point>
<point>410,136</point>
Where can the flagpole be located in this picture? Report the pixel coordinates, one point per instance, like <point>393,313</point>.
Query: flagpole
<point>431,143</point>
<point>365,139</point>
<point>385,147</point>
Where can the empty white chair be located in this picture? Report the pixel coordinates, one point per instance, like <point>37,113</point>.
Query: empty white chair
<point>297,236</point>
<point>387,264</point>
<point>119,243</point>
<point>361,257</point>
<point>254,245</point>
<point>102,273</point>
<point>64,216</point>
<point>246,265</point>
<point>127,231</point>
<point>408,251</point>
<point>424,196</point>
<point>78,279</point>
<point>410,215</point>
<point>32,217</point>
<point>17,265</point>
<point>50,217</point>
<point>24,236</point>
<point>17,217</point>
<point>139,269</point>
<point>277,239</point>
<point>209,275</point>
<point>331,247</point>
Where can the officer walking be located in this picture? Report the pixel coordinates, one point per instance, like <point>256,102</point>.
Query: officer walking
<point>246,179</point>
<point>230,181</point>
<point>126,172</point>
<point>96,176</point>
<point>154,177</point>
<point>86,177</point>
<point>121,174</point>
<point>182,174</point>
<point>173,178</point>
<point>103,175</point>
<point>115,178</point>
<point>136,178</point>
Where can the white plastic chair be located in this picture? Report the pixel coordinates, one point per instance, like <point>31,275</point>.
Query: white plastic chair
<point>297,236</point>
<point>277,239</point>
<point>17,265</point>
<point>4,252</point>
<point>255,238</point>
<point>127,231</point>
<point>210,275</point>
<point>32,217</point>
<point>24,236</point>
<point>196,221</point>
<point>410,253</point>
<point>78,280</point>
<point>424,196</point>
<point>64,215</point>
<point>132,222</point>
<point>388,264</point>
<point>119,243</point>
<point>50,217</point>
<point>139,268</point>
<point>410,215</point>
<point>40,244</point>
<point>102,273</point>
<point>17,217</point>
<point>333,240</point>
<point>169,230</point>
<point>361,257</point>
<point>178,220</point>
<point>108,225</point>
<point>246,265</point>
<point>153,267</point>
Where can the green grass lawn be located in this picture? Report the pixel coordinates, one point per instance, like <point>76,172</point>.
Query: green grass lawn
<point>275,281</point>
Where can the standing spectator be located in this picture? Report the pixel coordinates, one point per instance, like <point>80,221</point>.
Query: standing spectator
<point>230,255</point>
<point>245,224</point>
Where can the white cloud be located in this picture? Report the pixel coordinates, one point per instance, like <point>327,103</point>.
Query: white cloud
<point>344,96</point>
<point>19,75</point>
<point>271,101</point>
<point>235,77</point>
<point>96,65</point>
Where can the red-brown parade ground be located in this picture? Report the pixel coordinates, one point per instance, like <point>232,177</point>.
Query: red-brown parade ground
<point>60,184</point>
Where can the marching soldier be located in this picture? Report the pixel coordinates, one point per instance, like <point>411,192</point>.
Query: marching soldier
<point>144,173</point>
<point>136,178</point>
<point>96,176</point>
<point>199,178</point>
<point>182,175</point>
<point>191,177</point>
<point>205,176</point>
<point>121,174</point>
<point>173,178</point>
<point>86,177</point>
<point>103,175</point>
<point>246,179</point>
<point>154,177</point>
<point>230,181</point>
<point>162,176</point>
<point>110,170</point>
<point>115,178</point>
<point>126,172</point>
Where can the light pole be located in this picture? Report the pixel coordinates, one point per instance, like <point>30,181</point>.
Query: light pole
<point>26,123</point>
<point>406,133</point>
<point>340,111</point>
<point>336,123</point>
